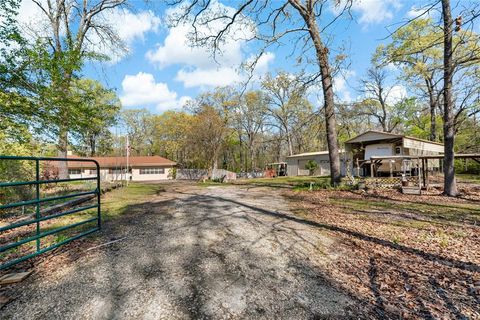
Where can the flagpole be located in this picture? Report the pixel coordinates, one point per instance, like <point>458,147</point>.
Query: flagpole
<point>128,154</point>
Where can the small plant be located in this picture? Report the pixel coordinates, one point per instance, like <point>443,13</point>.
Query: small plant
<point>396,239</point>
<point>173,173</point>
<point>311,166</point>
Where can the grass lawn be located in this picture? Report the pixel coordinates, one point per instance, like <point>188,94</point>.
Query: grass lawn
<point>113,205</point>
<point>298,181</point>
<point>468,177</point>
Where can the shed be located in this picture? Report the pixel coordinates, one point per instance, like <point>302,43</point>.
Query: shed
<point>296,163</point>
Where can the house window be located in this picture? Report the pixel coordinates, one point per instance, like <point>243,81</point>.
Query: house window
<point>116,171</point>
<point>74,171</point>
<point>152,171</point>
<point>398,150</point>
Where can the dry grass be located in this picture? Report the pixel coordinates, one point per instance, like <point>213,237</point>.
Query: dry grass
<point>408,256</point>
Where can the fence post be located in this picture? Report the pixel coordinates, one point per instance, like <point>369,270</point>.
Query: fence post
<point>37,196</point>
<point>99,193</point>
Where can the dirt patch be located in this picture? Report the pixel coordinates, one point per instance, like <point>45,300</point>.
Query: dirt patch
<point>190,252</point>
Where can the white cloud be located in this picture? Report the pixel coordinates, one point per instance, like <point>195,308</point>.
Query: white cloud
<point>340,85</point>
<point>32,20</point>
<point>129,26</point>
<point>222,76</point>
<point>132,26</point>
<point>263,62</point>
<point>177,50</point>
<point>142,89</point>
<point>199,68</point>
<point>396,94</point>
<point>375,11</point>
<point>424,12</point>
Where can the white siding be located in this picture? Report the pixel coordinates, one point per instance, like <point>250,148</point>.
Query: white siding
<point>136,176</point>
<point>105,175</point>
<point>430,148</point>
<point>296,165</point>
<point>378,150</point>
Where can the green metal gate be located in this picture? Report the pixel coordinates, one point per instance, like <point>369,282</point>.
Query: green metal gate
<point>38,201</point>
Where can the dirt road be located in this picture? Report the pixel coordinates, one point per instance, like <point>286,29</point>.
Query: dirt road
<point>193,253</point>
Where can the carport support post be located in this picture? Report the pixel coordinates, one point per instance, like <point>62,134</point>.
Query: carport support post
<point>371,168</point>
<point>424,177</point>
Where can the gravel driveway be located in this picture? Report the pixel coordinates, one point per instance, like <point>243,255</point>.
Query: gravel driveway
<point>193,253</point>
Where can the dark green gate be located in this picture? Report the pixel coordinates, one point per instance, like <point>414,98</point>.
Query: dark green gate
<point>38,218</point>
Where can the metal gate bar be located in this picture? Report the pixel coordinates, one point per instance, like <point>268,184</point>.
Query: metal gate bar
<point>38,201</point>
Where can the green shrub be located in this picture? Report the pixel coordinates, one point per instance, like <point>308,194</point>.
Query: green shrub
<point>16,170</point>
<point>311,166</point>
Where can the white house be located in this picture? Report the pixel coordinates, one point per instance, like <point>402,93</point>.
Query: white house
<point>360,150</point>
<point>296,164</point>
<point>356,157</point>
<point>143,168</point>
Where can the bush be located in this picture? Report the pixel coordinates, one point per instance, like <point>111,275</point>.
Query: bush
<point>311,166</point>
<point>471,167</point>
<point>173,173</point>
<point>16,170</point>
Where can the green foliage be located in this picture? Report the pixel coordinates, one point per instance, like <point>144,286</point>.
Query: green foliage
<point>16,170</point>
<point>171,129</point>
<point>311,166</point>
<point>98,110</point>
<point>12,48</point>
<point>173,173</point>
<point>140,126</point>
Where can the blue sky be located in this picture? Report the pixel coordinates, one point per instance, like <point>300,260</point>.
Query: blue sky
<point>161,71</point>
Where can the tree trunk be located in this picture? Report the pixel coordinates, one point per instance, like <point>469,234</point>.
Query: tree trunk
<point>93,147</point>
<point>433,122</point>
<point>325,72</point>
<point>433,110</point>
<point>450,187</point>
<point>62,152</point>
<point>289,141</point>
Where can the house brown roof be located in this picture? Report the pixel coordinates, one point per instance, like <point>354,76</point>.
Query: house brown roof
<point>112,162</point>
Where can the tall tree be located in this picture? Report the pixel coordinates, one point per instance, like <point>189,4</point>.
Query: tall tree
<point>99,108</point>
<point>450,186</point>
<point>459,46</point>
<point>75,27</point>
<point>207,136</point>
<point>420,61</point>
<point>140,127</point>
<point>286,97</point>
<point>171,131</point>
<point>250,117</point>
<point>303,22</point>
<point>377,102</point>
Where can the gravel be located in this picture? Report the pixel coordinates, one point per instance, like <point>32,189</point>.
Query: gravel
<point>192,252</point>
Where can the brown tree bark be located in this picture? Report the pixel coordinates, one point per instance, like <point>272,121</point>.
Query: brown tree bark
<point>433,109</point>
<point>321,50</point>
<point>450,186</point>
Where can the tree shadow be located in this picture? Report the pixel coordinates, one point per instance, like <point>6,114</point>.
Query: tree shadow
<point>192,257</point>
<point>463,265</point>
